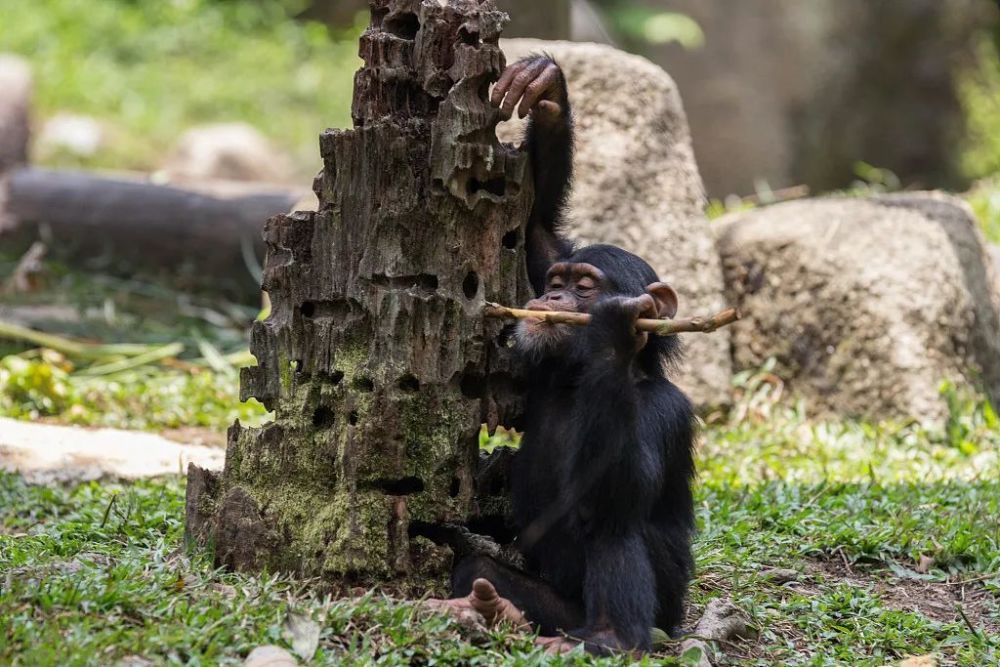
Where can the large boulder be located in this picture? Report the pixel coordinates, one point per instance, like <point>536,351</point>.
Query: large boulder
<point>866,304</point>
<point>637,186</point>
<point>15,110</point>
<point>227,151</point>
<point>994,252</point>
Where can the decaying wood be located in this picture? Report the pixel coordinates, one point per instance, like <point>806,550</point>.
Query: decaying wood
<point>658,327</point>
<point>377,359</point>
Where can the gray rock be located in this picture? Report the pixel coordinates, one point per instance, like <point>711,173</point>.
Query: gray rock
<point>637,186</point>
<point>866,304</point>
<point>15,110</point>
<point>81,136</point>
<point>994,252</point>
<point>227,151</point>
<point>15,123</point>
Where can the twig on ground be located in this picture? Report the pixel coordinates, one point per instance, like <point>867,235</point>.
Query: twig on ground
<point>659,327</point>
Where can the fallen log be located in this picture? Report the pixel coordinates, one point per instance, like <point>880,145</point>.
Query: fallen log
<point>203,231</point>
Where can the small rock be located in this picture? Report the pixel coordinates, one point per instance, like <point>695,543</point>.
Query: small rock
<point>80,136</point>
<point>134,661</point>
<point>925,564</point>
<point>779,575</point>
<point>920,661</point>
<point>270,656</point>
<point>227,151</point>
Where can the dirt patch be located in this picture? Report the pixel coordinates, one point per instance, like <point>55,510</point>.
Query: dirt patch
<point>943,601</point>
<point>49,454</point>
<point>195,435</point>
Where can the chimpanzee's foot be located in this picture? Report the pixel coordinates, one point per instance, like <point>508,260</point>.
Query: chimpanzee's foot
<point>557,645</point>
<point>495,609</point>
<point>483,602</point>
<point>601,642</point>
<point>460,609</point>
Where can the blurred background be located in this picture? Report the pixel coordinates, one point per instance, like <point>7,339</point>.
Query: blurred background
<point>778,93</point>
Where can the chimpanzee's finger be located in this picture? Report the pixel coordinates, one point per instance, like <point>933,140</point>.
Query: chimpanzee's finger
<point>502,85</point>
<point>643,306</point>
<point>547,78</point>
<point>519,84</point>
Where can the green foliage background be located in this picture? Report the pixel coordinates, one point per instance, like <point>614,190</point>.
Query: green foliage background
<point>152,68</point>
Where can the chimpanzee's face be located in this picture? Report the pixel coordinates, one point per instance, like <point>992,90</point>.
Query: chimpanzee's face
<point>569,286</point>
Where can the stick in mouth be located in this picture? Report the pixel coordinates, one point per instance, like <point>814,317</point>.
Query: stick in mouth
<point>658,327</point>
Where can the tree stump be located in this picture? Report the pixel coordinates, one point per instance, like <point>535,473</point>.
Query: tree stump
<point>376,358</point>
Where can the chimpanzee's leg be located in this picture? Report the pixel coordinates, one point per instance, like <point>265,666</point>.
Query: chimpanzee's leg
<point>542,605</point>
<point>620,592</point>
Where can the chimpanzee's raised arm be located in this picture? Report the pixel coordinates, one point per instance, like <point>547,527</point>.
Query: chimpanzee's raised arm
<point>536,85</point>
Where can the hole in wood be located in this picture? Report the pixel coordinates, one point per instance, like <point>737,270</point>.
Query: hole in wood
<point>510,239</point>
<point>506,336</point>
<point>401,487</point>
<point>308,309</point>
<point>323,417</point>
<point>455,488</point>
<point>363,383</point>
<point>409,384</point>
<point>403,25</point>
<point>422,281</point>
<point>333,378</point>
<point>495,186</point>
<point>352,418</point>
<point>471,285</point>
<point>470,37</point>
<point>473,385</point>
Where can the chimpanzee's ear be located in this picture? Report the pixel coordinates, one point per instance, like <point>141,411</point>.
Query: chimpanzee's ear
<point>665,298</point>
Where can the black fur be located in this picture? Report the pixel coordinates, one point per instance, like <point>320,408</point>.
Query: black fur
<point>601,484</point>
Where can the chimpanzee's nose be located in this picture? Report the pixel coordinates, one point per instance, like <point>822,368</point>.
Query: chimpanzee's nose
<point>554,296</point>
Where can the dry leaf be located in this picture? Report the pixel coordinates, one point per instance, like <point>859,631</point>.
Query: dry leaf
<point>303,634</point>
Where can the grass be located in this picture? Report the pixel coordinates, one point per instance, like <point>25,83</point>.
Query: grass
<point>149,69</point>
<point>96,573</point>
<point>198,345</point>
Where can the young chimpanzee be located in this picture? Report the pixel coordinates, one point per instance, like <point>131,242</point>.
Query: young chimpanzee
<point>601,484</point>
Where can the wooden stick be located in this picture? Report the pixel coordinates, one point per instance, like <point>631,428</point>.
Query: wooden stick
<point>658,327</point>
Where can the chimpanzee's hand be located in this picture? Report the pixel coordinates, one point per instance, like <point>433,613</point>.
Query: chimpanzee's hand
<point>612,325</point>
<point>538,83</point>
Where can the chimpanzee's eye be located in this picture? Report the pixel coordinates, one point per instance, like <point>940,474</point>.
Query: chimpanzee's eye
<point>555,283</point>
<point>585,284</point>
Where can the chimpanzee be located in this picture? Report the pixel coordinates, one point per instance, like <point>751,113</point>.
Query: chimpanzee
<point>601,484</point>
